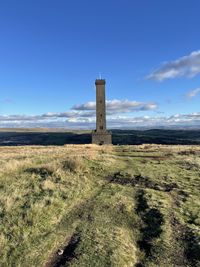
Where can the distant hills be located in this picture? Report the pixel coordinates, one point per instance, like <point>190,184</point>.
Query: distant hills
<point>45,136</point>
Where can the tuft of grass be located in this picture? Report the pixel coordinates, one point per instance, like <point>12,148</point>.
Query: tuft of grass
<point>74,164</point>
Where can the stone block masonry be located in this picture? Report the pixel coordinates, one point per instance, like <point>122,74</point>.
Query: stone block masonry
<point>101,136</point>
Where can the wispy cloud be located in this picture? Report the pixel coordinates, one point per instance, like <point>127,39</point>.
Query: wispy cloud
<point>86,106</point>
<point>114,121</point>
<point>82,113</point>
<point>155,121</point>
<point>47,116</point>
<point>119,106</point>
<point>119,115</point>
<point>187,66</point>
<point>193,93</point>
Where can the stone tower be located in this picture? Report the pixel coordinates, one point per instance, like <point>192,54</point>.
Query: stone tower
<point>101,136</point>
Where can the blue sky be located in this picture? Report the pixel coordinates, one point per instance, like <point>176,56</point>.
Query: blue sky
<point>52,51</point>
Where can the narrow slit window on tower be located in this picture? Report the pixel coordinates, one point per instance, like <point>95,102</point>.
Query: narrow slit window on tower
<point>101,127</point>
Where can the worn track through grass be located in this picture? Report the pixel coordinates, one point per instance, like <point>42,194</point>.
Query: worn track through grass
<point>111,206</point>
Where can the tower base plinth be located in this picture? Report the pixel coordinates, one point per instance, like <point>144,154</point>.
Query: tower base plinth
<point>104,138</point>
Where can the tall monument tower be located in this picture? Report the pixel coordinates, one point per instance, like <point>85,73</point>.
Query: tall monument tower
<point>101,136</point>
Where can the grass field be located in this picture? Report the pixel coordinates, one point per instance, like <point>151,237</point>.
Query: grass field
<point>91,206</point>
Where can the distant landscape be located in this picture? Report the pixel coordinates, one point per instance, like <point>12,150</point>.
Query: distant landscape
<point>16,137</point>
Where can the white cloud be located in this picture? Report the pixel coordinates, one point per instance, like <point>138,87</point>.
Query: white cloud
<point>119,106</point>
<point>83,114</point>
<point>187,66</point>
<point>114,121</point>
<point>119,115</point>
<point>87,106</point>
<point>193,93</point>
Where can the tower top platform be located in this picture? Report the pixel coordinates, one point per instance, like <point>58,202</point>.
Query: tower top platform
<point>100,82</point>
